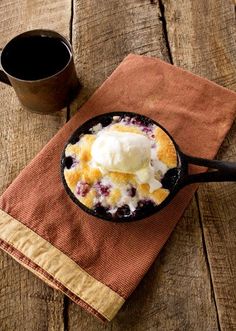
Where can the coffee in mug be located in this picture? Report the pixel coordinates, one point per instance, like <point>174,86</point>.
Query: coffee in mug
<point>39,65</point>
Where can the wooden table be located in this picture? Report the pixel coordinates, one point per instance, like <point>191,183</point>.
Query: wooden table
<point>191,286</point>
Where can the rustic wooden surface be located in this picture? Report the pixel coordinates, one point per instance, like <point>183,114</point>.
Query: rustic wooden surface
<point>26,303</point>
<point>191,286</point>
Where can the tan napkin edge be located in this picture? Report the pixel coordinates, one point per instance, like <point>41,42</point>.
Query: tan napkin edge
<point>60,269</point>
<point>40,273</point>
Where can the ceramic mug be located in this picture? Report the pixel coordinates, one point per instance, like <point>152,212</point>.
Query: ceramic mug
<point>39,65</point>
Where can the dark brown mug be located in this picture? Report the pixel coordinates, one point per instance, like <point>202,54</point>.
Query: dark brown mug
<point>39,65</point>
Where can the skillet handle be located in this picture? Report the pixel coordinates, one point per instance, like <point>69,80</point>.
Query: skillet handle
<point>223,171</point>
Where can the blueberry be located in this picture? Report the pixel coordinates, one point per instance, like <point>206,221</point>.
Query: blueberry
<point>68,161</point>
<point>103,189</point>
<point>123,212</point>
<point>146,129</point>
<point>99,209</point>
<point>126,119</point>
<point>131,191</point>
<point>136,121</point>
<point>82,188</point>
<point>145,205</point>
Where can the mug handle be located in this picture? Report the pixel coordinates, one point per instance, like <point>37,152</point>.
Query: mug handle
<point>224,171</point>
<point>3,76</point>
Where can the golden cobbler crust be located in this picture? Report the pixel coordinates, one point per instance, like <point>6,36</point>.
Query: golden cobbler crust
<point>158,196</point>
<point>86,174</point>
<point>114,197</point>
<point>88,200</point>
<point>125,128</point>
<point>118,177</point>
<point>73,149</point>
<point>72,176</point>
<point>166,151</point>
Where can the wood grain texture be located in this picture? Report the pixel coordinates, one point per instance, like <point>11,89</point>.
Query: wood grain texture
<point>217,204</point>
<point>105,32</point>
<point>176,294</point>
<point>26,302</point>
<point>202,37</point>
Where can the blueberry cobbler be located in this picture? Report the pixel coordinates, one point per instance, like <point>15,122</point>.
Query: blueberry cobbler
<point>116,169</point>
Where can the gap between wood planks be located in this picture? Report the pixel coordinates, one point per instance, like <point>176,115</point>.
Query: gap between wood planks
<point>66,313</point>
<point>165,31</point>
<point>66,300</point>
<point>162,18</point>
<point>71,39</point>
<point>196,197</point>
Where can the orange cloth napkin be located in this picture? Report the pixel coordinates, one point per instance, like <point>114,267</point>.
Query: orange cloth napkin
<point>97,263</point>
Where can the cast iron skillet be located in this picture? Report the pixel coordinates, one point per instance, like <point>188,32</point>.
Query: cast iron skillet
<point>174,179</point>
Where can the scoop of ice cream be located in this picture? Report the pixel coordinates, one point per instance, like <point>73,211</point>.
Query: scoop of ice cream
<point>125,152</point>
<point>121,151</point>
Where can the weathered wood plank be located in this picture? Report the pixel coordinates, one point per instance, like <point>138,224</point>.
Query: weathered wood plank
<point>105,32</point>
<point>202,39</point>
<point>176,293</point>
<point>26,302</point>
<point>218,212</point>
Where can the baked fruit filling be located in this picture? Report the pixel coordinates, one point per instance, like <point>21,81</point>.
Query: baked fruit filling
<point>118,170</point>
